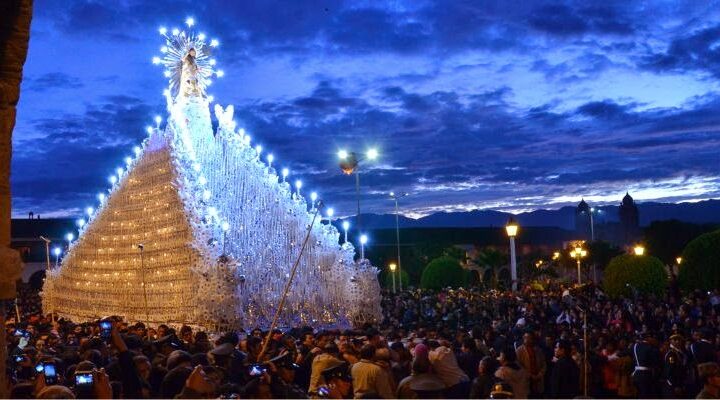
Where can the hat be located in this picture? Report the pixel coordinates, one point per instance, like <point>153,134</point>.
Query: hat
<point>501,390</point>
<point>224,349</point>
<point>339,371</point>
<point>708,369</point>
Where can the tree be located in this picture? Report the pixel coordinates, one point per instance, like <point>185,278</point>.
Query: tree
<point>388,280</point>
<point>627,274</point>
<point>700,268</point>
<point>442,272</point>
<point>667,239</point>
<point>493,259</point>
<point>15,16</point>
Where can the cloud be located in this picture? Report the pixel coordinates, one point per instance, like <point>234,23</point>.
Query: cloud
<point>52,81</point>
<point>699,50</point>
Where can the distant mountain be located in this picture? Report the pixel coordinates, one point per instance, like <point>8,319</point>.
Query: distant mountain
<point>707,211</point>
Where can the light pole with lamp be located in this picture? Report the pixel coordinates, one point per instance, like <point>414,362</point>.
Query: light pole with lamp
<point>394,197</point>
<point>47,251</point>
<point>578,253</point>
<point>69,237</point>
<point>392,267</point>
<point>512,229</point>
<point>678,261</point>
<point>345,226</point>
<point>363,242</point>
<point>349,163</point>
<point>141,247</point>
<point>57,251</point>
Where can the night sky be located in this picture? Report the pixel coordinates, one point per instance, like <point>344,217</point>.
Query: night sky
<point>504,105</point>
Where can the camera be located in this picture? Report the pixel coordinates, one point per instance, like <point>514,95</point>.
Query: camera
<point>84,379</point>
<point>39,368</point>
<point>257,369</point>
<point>323,391</point>
<point>50,374</point>
<point>19,358</point>
<point>105,329</point>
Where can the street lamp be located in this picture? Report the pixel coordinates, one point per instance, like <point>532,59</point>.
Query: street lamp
<point>349,163</point>
<point>394,197</point>
<point>363,242</point>
<point>556,256</point>
<point>69,237</point>
<point>639,250</point>
<point>57,251</point>
<point>512,229</point>
<point>392,267</point>
<point>578,253</point>
<point>678,260</point>
<point>345,226</point>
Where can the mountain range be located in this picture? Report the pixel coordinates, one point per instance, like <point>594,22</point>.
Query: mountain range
<point>702,212</point>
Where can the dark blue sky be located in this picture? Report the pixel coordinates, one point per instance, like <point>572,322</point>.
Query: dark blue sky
<point>477,104</point>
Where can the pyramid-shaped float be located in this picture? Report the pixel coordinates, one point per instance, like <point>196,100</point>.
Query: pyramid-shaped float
<point>198,230</point>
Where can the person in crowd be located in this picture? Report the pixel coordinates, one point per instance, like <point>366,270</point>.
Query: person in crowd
<point>444,363</point>
<point>531,358</point>
<point>564,382</point>
<point>369,379</point>
<point>511,373</point>
<point>483,383</point>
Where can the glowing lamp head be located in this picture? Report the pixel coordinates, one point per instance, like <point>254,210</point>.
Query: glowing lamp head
<point>128,160</point>
<point>57,251</point>
<point>156,60</point>
<point>313,196</point>
<point>372,154</point>
<point>162,30</point>
<point>190,21</point>
<point>202,36</point>
<point>330,212</point>
<point>69,237</point>
<point>214,43</point>
<point>247,139</point>
<point>225,226</point>
<point>392,267</point>
<point>511,228</point>
<point>158,119</point>
<point>137,150</point>
<point>285,172</point>
<point>392,194</point>
<point>80,222</point>
<point>342,154</point>
<point>101,197</point>
<point>220,73</point>
<point>176,31</point>
<point>213,61</point>
<point>363,239</point>
<point>89,210</point>
<point>113,179</point>
<point>346,225</point>
<point>678,260</point>
<point>258,149</point>
<point>556,255</point>
<point>298,184</point>
<point>149,129</point>
<point>639,250</point>
<point>270,158</point>
<point>119,171</point>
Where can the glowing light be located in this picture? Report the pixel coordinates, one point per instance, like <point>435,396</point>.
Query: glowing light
<point>162,30</point>
<point>101,197</point>
<point>202,180</point>
<point>149,129</point>
<point>69,237</point>
<point>190,21</point>
<point>285,172</point>
<point>166,92</point>
<point>214,43</point>
<point>270,159</point>
<point>137,150</point>
<point>210,98</point>
<point>89,211</point>
<point>346,225</point>
<point>212,211</point>
<point>258,149</point>
<point>213,61</point>
<point>678,260</point>
<point>57,251</point>
<point>176,31</point>
<point>164,49</point>
<point>639,250</point>
<point>246,139</point>
<point>128,160</point>
<point>201,36</point>
<point>119,171</point>
<point>220,73</point>
<point>156,60</point>
<point>158,119</point>
<point>113,179</point>
<point>80,222</point>
<point>206,194</point>
<point>313,196</point>
<point>363,239</point>
<point>342,154</point>
<point>330,212</point>
<point>225,226</point>
<point>372,154</point>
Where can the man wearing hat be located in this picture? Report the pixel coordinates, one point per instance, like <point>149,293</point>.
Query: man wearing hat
<point>338,382</point>
<point>282,387</point>
<point>647,363</point>
<point>710,377</point>
<point>675,368</point>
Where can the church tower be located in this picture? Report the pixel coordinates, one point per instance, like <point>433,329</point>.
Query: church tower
<point>629,218</point>
<point>582,220</point>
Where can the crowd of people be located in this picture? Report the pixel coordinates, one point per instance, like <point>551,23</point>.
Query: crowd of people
<point>558,342</point>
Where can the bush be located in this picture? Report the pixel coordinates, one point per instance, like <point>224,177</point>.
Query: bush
<point>700,268</point>
<point>443,272</point>
<point>646,274</point>
<point>387,280</point>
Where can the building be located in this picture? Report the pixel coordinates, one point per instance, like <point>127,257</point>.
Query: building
<point>583,221</point>
<point>629,219</point>
<point>25,238</point>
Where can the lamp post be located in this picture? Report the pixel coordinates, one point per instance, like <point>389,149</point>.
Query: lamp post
<point>141,247</point>
<point>678,261</point>
<point>392,267</point>
<point>578,253</point>
<point>345,226</point>
<point>349,163</point>
<point>363,242</point>
<point>47,251</point>
<point>56,251</point>
<point>512,228</point>
<point>394,197</point>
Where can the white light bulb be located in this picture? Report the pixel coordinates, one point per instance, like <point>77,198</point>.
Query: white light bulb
<point>119,171</point>
<point>149,129</point>
<point>201,36</point>
<point>176,31</point>
<point>113,179</point>
<point>330,212</point>
<point>101,197</point>
<point>166,92</point>
<point>190,21</point>
<point>162,30</point>
<point>208,83</point>
<point>164,49</point>
<point>69,237</point>
<point>137,150</point>
<point>206,195</point>
<point>57,251</point>
<point>285,172</point>
<point>270,158</point>
<point>128,160</point>
<point>81,222</point>
<point>225,226</point>
<point>246,139</point>
<point>213,61</point>
<point>346,225</point>
<point>158,119</point>
<point>156,60</point>
<point>89,211</point>
<point>258,149</point>
<point>313,196</point>
<point>372,154</point>
<point>214,43</point>
<point>342,154</point>
<point>196,167</point>
<point>363,239</point>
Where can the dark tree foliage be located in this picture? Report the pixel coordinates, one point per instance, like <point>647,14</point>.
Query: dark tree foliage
<point>700,268</point>
<point>443,272</point>
<point>667,239</point>
<point>628,274</point>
